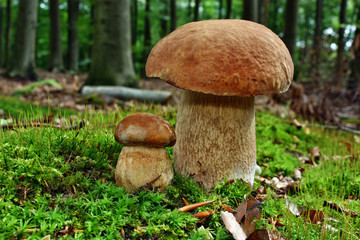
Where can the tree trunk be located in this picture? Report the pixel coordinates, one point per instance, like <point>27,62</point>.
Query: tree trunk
<point>354,78</point>
<point>8,34</point>
<point>303,58</point>
<point>273,21</point>
<point>260,10</point>
<point>250,10</point>
<point>73,42</point>
<point>24,49</point>
<point>291,13</point>
<point>173,17</point>
<point>1,33</point>
<point>134,21</point>
<point>189,10</point>
<point>341,45</point>
<point>196,10</point>
<point>111,52</point>
<point>55,53</point>
<point>147,37</point>
<point>316,48</point>
<point>163,18</point>
<point>220,9</point>
<point>228,9</point>
<point>266,13</point>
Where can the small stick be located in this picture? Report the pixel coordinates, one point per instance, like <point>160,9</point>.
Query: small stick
<point>193,206</point>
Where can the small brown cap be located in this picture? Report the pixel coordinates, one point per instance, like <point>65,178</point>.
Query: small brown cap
<point>145,129</point>
<point>223,57</point>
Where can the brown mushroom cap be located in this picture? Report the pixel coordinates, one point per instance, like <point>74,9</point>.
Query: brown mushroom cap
<point>223,57</point>
<point>145,129</point>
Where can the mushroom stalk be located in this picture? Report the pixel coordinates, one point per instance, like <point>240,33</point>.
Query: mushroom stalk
<point>215,138</point>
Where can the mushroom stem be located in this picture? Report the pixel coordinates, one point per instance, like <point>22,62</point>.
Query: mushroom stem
<point>139,165</point>
<point>215,138</point>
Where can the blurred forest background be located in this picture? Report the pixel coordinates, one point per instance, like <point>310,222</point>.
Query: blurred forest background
<point>318,33</point>
<point>108,41</point>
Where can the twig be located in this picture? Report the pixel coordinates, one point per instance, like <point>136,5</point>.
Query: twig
<point>343,128</point>
<point>25,125</point>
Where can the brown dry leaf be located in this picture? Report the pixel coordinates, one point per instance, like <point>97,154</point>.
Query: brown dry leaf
<point>202,214</point>
<point>314,216</point>
<point>228,209</point>
<point>265,234</point>
<point>246,216</point>
<point>340,208</point>
<point>240,211</point>
<point>242,222</point>
<point>314,153</point>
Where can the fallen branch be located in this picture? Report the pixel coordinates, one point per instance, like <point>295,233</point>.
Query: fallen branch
<point>343,128</point>
<point>126,93</point>
<point>26,125</point>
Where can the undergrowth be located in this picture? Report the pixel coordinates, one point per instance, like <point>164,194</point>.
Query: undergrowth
<point>52,180</point>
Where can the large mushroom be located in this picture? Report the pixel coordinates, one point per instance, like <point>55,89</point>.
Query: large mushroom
<point>144,161</point>
<point>221,65</point>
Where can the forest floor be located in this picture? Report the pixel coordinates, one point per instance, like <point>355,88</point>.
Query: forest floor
<point>57,174</point>
<point>337,108</point>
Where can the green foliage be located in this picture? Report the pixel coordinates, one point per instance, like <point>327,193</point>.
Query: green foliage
<point>52,179</point>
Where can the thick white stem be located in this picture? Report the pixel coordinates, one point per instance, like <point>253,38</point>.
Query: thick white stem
<point>215,138</point>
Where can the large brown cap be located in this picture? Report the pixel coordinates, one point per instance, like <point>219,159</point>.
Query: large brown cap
<point>223,57</point>
<point>145,129</point>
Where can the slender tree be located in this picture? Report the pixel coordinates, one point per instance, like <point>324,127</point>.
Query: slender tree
<point>260,11</point>
<point>265,19</point>
<point>196,10</point>
<point>134,20</point>
<point>291,13</point>
<point>8,33</point>
<point>164,17</point>
<point>273,18</point>
<point>354,78</point>
<point>73,42</point>
<point>341,44</point>
<point>1,33</point>
<point>220,9</point>
<point>228,9</point>
<point>250,10</point>
<point>111,59</point>
<point>55,53</point>
<point>24,49</point>
<point>147,36</point>
<point>173,17</point>
<point>316,48</point>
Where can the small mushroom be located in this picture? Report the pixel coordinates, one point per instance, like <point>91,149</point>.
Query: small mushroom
<point>221,65</point>
<point>144,161</point>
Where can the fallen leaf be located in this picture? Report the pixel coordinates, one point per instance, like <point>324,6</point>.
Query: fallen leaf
<point>329,227</point>
<point>315,216</point>
<point>265,234</point>
<point>233,226</point>
<point>297,174</point>
<point>294,209</point>
<point>185,202</point>
<point>315,153</point>
<point>202,214</point>
<point>296,123</point>
<point>227,208</point>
